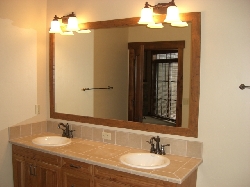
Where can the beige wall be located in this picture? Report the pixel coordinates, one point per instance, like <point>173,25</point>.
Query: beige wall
<point>22,73</point>
<point>100,59</point>
<point>224,108</point>
<point>110,69</point>
<point>74,70</point>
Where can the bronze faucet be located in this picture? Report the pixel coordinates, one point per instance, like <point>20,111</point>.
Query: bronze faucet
<point>66,132</point>
<point>157,149</point>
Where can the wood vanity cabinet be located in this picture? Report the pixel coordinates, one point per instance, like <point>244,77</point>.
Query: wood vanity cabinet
<point>33,168</point>
<point>76,174</point>
<point>104,177</point>
<point>107,177</point>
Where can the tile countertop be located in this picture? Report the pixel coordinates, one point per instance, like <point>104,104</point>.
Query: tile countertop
<point>107,155</point>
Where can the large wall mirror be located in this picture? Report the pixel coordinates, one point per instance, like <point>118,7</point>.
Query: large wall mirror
<point>101,60</point>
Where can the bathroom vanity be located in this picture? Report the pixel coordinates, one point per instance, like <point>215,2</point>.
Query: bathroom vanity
<point>86,163</point>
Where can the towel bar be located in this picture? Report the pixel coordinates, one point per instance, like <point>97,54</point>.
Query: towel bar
<point>242,86</point>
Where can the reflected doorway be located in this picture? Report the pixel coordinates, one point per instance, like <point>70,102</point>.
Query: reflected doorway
<point>156,82</point>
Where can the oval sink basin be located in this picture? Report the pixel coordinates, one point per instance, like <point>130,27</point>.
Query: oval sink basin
<point>144,160</point>
<point>51,141</point>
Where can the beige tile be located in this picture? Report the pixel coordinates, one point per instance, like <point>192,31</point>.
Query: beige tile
<point>104,161</point>
<point>87,133</point>
<point>178,147</point>
<point>76,155</point>
<point>172,167</point>
<point>36,128</point>
<point>134,150</point>
<point>192,163</point>
<point>44,126</point>
<point>121,165</point>
<point>165,174</point>
<point>113,136</point>
<point>93,143</point>
<point>52,126</point>
<point>29,138</point>
<point>97,134</point>
<point>14,132</point>
<point>79,148</point>
<point>118,147</point>
<point>121,138</point>
<point>182,173</point>
<point>77,133</point>
<point>116,159</point>
<point>56,150</point>
<point>134,140</point>
<point>103,153</point>
<point>145,142</point>
<point>194,149</point>
<point>25,130</point>
<point>178,158</point>
<point>165,141</point>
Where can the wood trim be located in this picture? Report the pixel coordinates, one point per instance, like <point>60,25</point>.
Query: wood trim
<point>191,131</point>
<point>179,88</point>
<point>160,45</point>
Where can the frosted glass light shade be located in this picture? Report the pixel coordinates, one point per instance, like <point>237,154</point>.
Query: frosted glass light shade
<point>172,14</point>
<point>72,24</point>
<point>67,33</point>
<point>179,24</point>
<point>84,31</point>
<point>155,25</point>
<point>146,16</point>
<point>55,27</point>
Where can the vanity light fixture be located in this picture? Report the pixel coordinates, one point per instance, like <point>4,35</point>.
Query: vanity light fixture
<point>161,8</point>
<point>155,25</point>
<point>71,23</point>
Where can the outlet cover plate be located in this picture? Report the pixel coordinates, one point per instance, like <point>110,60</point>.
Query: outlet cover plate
<point>106,135</point>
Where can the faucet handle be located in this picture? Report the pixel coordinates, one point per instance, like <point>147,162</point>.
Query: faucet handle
<point>71,133</point>
<point>152,149</point>
<point>163,149</point>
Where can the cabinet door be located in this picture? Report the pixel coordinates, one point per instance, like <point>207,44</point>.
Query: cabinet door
<point>47,175</point>
<point>41,174</point>
<point>108,177</point>
<point>74,179</point>
<point>18,170</point>
<point>30,177</point>
<point>76,174</point>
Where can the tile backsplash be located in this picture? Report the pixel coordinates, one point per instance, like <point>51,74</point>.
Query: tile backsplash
<point>118,137</point>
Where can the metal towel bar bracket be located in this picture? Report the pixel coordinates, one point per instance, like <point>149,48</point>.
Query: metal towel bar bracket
<point>242,87</point>
<point>84,89</point>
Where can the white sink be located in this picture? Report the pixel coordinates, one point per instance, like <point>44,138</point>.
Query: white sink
<point>144,160</point>
<point>51,141</point>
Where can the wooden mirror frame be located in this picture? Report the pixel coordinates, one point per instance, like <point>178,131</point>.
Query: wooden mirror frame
<point>192,131</point>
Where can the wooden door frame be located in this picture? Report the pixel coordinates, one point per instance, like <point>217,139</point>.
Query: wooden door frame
<point>158,45</point>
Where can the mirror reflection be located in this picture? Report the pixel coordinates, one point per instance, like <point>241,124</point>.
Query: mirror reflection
<point>101,59</point>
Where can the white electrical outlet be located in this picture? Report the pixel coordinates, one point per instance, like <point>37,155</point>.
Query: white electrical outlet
<point>106,135</point>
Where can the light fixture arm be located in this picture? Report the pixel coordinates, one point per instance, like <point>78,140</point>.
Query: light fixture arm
<point>160,5</point>
<point>160,8</point>
<point>64,18</point>
<point>56,18</point>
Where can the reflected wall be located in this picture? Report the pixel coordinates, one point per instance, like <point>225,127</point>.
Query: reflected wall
<point>100,59</point>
